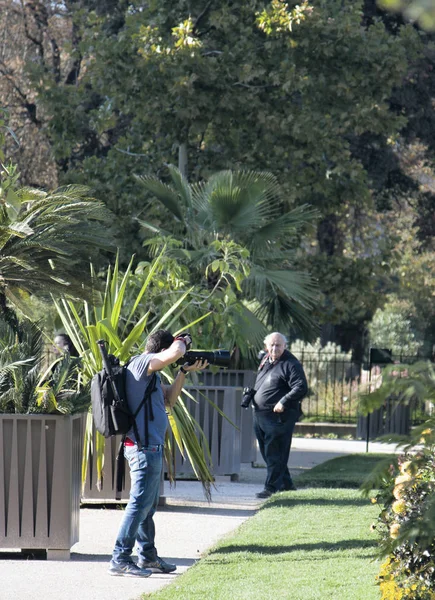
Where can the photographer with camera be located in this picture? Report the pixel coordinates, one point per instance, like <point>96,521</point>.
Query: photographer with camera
<point>279,389</point>
<point>145,456</point>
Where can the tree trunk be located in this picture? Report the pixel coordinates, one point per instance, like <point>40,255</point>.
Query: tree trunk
<point>182,159</point>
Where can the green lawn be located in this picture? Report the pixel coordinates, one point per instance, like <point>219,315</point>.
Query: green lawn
<point>313,544</point>
<point>343,472</point>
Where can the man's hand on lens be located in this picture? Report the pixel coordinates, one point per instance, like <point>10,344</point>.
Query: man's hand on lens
<point>186,338</point>
<point>199,365</point>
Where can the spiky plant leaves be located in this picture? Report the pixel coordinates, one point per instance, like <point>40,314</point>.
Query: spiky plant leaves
<point>112,319</point>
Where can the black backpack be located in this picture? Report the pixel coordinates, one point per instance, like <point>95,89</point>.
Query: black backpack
<point>110,410</point>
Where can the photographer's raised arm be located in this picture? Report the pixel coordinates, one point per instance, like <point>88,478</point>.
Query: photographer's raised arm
<point>166,357</point>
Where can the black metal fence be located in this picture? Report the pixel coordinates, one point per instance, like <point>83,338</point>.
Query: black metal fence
<point>336,382</point>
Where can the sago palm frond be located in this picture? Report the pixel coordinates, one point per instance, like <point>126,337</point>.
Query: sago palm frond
<point>46,240</point>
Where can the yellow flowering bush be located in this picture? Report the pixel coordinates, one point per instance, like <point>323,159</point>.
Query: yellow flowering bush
<point>405,524</point>
<point>399,506</point>
<point>398,491</point>
<point>402,479</point>
<point>406,489</point>
<point>394,530</point>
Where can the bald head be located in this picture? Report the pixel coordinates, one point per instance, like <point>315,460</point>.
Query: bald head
<point>275,344</point>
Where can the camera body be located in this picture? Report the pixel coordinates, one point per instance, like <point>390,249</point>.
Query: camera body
<point>218,358</point>
<point>248,396</point>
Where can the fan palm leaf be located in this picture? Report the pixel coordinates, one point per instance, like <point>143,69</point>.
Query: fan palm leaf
<point>167,196</point>
<point>245,208</point>
<point>236,201</point>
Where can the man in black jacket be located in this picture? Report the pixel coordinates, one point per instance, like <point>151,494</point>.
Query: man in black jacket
<point>280,387</point>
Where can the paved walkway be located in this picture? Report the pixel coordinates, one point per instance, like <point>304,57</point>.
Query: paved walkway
<point>186,527</point>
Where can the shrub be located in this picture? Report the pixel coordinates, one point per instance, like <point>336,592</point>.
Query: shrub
<point>391,328</point>
<point>406,499</point>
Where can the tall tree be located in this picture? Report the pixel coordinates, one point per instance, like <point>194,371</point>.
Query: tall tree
<point>302,90</point>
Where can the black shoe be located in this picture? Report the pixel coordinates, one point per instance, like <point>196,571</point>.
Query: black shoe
<point>127,569</point>
<point>264,494</point>
<point>156,566</point>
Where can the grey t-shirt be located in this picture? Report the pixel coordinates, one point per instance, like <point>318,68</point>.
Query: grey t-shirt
<point>136,382</point>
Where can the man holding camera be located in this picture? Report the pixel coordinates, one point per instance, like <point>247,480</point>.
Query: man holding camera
<point>279,389</point>
<point>145,456</point>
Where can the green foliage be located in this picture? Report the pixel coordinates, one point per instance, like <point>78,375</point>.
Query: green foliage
<point>25,387</point>
<point>63,392</point>
<point>123,324</point>
<point>407,318</point>
<point>363,278</point>
<point>405,383</point>
<point>405,525</point>
<point>407,489</point>
<point>300,91</point>
<point>422,11</point>
<point>323,359</point>
<point>46,238</point>
<point>332,381</point>
<point>235,235</point>
<point>391,328</point>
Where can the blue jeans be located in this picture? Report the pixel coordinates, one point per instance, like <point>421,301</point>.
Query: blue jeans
<point>274,434</point>
<point>137,524</point>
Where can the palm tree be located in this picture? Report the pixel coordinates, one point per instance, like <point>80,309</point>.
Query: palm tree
<point>243,209</point>
<point>47,240</point>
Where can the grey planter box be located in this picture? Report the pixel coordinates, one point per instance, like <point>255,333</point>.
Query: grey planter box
<point>393,417</point>
<point>227,377</point>
<point>223,438</point>
<point>236,379</point>
<point>40,482</point>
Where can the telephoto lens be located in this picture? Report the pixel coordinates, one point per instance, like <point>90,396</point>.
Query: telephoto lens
<point>218,358</point>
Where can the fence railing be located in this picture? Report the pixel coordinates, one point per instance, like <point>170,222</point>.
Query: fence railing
<point>335,384</point>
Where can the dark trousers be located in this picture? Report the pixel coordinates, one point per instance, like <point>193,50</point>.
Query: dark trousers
<point>274,435</point>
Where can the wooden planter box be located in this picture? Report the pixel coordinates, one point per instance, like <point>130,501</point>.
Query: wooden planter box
<point>40,482</point>
<point>224,438</point>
